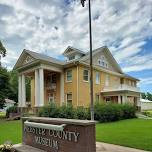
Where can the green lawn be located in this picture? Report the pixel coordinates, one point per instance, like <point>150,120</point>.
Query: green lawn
<point>135,133</point>
<point>10,131</point>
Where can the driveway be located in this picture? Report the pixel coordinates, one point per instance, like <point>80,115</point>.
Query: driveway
<point>104,147</point>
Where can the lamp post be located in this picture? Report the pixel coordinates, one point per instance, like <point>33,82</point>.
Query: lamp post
<point>91,67</point>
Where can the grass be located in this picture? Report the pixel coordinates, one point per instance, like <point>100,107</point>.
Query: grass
<point>136,133</point>
<point>2,115</point>
<point>10,131</point>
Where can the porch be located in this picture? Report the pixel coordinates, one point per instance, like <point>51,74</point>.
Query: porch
<point>121,97</point>
<point>47,85</point>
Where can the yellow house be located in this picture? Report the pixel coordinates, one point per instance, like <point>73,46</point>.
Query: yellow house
<point>67,81</point>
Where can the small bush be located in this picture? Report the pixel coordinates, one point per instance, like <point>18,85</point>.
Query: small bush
<point>50,110</point>
<point>67,111</point>
<point>128,111</point>
<point>12,109</point>
<point>81,113</point>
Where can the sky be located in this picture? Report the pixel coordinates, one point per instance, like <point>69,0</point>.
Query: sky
<point>50,26</point>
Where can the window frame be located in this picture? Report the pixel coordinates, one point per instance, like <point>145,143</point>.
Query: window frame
<point>107,80</point>
<point>67,76</point>
<point>85,75</point>
<point>67,100</point>
<point>98,77</point>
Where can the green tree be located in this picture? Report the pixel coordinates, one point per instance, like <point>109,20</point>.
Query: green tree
<point>2,51</point>
<point>13,82</point>
<point>143,95</point>
<point>149,96</point>
<point>4,85</point>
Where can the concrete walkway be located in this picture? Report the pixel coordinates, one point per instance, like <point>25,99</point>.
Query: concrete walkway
<point>104,147</point>
<point>101,147</point>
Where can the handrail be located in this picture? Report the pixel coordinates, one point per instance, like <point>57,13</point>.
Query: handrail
<point>45,126</point>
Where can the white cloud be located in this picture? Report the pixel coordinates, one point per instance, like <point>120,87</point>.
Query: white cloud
<point>124,26</point>
<point>146,81</point>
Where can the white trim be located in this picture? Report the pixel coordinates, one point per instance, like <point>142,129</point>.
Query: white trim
<point>67,98</point>
<point>66,75</point>
<point>77,85</point>
<point>37,88</point>
<point>61,88</point>
<point>88,75</point>
<point>41,87</point>
<point>19,90</point>
<point>23,91</point>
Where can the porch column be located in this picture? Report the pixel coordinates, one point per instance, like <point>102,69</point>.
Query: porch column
<point>23,91</point>
<point>36,88</point>
<point>61,88</point>
<point>19,91</point>
<point>119,99</point>
<point>124,99</point>
<point>41,88</point>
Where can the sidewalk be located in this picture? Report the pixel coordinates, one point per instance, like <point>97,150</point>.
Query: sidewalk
<point>104,147</point>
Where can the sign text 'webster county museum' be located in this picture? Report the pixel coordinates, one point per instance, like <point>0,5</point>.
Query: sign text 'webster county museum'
<point>59,135</point>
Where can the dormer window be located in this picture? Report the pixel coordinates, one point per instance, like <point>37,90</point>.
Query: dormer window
<point>71,58</point>
<point>102,62</point>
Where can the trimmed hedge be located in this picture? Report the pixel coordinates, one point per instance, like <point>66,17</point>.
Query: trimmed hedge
<point>102,112</point>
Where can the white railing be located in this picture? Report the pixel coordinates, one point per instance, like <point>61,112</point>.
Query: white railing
<point>122,87</point>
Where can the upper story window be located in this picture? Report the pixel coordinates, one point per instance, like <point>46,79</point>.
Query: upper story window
<point>97,78</point>
<point>71,58</point>
<point>102,62</point>
<point>69,76</point>
<point>86,75</point>
<point>107,80</point>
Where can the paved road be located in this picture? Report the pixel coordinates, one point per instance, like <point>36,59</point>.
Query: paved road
<point>104,147</point>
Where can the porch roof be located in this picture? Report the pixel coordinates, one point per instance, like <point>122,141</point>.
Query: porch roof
<point>119,91</point>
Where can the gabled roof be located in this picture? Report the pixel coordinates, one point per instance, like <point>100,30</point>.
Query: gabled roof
<point>70,50</point>
<point>104,48</point>
<point>36,56</point>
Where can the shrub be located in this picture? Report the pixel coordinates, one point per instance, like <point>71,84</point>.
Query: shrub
<point>113,112</point>
<point>81,113</point>
<point>103,112</point>
<point>128,111</point>
<point>50,110</point>
<point>12,109</point>
<point>67,111</point>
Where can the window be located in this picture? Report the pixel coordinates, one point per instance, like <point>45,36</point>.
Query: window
<point>69,76</point>
<point>71,57</point>
<point>86,75</point>
<point>97,78</point>
<point>107,80</point>
<point>69,98</point>
<point>102,62</point>
<point>97,97</point>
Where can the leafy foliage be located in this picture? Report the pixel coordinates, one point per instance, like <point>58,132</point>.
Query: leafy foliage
<point>113,112</point>
<point>12,109</point>
<point>103,112</point>
<point>147,96</point>
<point>5,87</point>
